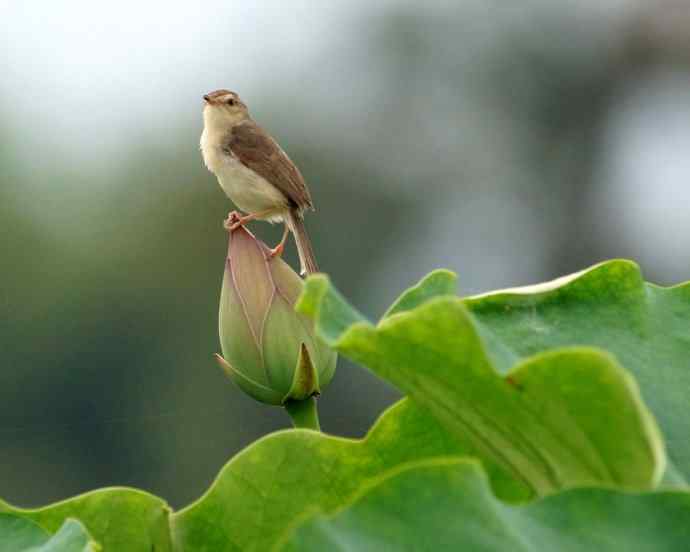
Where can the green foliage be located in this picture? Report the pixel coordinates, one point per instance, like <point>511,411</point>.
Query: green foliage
<point>268,486</point>
<point>522,429</point>
<point>608,306</point>
<point>542,422</point>
<point>287,475</point>
<point>18,534</point>
<point>118,518</point>
<point>454,509</point>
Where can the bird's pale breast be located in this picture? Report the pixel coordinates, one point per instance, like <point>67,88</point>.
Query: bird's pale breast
<point>250,192</point>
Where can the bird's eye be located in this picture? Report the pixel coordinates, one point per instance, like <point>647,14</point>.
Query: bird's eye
<point>231,101</point>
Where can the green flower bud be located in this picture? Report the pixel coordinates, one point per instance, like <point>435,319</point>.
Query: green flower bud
<point>269,350</point>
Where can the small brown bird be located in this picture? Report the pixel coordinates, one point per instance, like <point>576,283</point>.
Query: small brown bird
<point>254,172</point>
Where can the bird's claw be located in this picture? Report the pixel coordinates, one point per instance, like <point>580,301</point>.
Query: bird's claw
<point>233,221</point>
<point>277,251</point>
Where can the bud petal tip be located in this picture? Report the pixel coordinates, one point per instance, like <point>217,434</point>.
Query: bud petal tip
<point>305,382</point>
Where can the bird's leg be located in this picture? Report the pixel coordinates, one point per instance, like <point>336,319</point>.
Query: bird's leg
<point>278,249</point>
<point>235,219</point>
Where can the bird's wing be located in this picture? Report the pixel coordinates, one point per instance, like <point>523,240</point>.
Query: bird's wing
<point>255,149</point>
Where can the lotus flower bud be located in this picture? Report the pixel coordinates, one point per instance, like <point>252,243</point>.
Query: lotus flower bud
<point>269,350</point>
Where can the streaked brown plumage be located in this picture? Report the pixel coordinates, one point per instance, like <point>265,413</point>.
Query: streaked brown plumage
<point>256,150</point>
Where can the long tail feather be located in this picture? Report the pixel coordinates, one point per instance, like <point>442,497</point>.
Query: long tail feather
<point>306,253</point>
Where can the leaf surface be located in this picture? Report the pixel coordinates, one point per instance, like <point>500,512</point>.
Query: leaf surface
<point>261,492</point>
<point>447,505</point>
<point>558,419</point>
<point>609,305</point>
<point>117,518</point>
<point>19,534</point>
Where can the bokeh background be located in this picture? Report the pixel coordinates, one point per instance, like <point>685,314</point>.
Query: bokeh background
<point>510,142</point>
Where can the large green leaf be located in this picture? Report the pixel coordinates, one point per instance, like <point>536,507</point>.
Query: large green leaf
<point>280,478</point>
<point>118,518</point>
<point>448,506</point>
<point>566,418</point>
<point>265,488</point>
<point>18,534</point>
<point>609,305</point>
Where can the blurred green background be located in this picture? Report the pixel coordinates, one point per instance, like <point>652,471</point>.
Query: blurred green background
<point>510,143</point>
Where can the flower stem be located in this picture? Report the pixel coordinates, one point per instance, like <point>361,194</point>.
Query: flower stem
<point>304,413</point>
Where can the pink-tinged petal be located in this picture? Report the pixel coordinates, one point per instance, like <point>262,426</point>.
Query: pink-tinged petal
<point>305,381</point>
<point>251,277</point>
<point>290,286</point>
<point>283,337</point>
<point>286,280</point>
<point>240,347</point>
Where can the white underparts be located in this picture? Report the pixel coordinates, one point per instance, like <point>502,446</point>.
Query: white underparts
<point>247,190</point>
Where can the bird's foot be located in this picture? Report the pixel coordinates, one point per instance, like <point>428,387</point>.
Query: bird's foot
<point>233,221</point>
<point>277,251</point>
<point>236,219</point>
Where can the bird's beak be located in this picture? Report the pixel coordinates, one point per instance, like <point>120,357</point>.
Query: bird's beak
<point>207,99</point>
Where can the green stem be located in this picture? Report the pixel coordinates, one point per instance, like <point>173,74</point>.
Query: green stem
<point>304,413</point>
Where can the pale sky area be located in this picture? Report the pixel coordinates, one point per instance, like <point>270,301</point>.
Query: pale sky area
<point>80,66</point>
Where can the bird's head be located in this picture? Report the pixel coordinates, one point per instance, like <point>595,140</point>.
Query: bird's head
<point>224,108</point>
